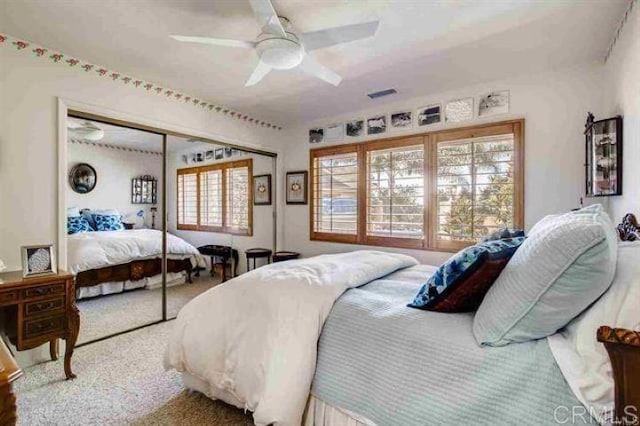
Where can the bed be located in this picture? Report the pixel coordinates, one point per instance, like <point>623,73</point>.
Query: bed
<point>106,262</point>
<point>330,340</point>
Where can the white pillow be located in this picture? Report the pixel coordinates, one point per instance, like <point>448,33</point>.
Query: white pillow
<point>583,360</point>
<point>566,263</point>
<point>73,212</point>
<point>107,212</point>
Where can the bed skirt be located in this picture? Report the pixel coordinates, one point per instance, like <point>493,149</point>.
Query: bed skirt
<point>317,412</point>
<point>112,287</point>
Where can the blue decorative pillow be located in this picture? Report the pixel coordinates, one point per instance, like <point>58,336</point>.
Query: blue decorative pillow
<point>77,224</point>
<point>108,222</point>
<point>459,285</point>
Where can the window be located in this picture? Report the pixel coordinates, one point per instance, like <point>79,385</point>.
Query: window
<point>188,199</point>
<point>238,198</point>
<point>335,183</point>
<point>441,190</point>
<point>395,193</point>
<point>216,198</point>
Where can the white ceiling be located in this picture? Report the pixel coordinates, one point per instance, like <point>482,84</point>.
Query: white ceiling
<point>422,47</point>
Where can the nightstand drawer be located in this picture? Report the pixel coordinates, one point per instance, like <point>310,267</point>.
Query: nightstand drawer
<point>38,307</point>
<point>38,327</point>
<point>8,297</point>
<point>45,290</point>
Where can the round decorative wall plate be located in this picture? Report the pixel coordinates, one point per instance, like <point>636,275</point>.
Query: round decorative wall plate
<point>83,178</point>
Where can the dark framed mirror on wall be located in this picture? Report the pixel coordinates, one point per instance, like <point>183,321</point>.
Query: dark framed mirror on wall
<point>603,156</point>
<point>144,190</point>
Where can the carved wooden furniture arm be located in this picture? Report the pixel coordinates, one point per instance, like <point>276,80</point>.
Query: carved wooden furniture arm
<point>618,335</point>
<point>623,347</point>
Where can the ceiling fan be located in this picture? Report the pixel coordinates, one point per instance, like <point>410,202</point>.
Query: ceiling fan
<point>280,48</point>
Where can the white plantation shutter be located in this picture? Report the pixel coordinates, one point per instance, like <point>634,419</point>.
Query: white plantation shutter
<point>395,192</point>
<point>238,198</point>
<point>211,199</point>
<point>187,199</point>
<point>476,191</point>
<point>335,194</point>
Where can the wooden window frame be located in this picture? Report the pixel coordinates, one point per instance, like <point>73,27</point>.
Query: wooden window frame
<point>223,167</point>
<point>329,236</point>
<point>430,141</point>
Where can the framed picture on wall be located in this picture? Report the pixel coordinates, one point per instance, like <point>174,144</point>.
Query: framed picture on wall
<point>428,115</point>
<point>603,157</point>
<point>262,190</point>
<point>296,189</point>
<point>354,128</point>
<point>401,120</point>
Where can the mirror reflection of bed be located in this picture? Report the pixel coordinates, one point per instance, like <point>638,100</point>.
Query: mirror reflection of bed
<point>115,238</point>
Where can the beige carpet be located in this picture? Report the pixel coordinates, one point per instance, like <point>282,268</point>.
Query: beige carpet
<point>105,315</point>
<point>120,381</point>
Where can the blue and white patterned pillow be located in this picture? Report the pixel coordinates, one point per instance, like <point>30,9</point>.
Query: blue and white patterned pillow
<point>108,222</point>
<point>77,224</point>
<point>459,284</point>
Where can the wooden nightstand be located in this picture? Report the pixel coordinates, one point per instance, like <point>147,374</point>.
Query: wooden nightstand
<point>623,347</point>
<point>39,310</point>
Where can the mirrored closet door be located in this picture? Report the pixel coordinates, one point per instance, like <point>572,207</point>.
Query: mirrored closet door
<point>114,225</point>
<point>155,218</point>
<point>219,199</point>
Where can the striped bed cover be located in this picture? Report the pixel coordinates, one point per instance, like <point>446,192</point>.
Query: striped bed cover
<point>388,364</point>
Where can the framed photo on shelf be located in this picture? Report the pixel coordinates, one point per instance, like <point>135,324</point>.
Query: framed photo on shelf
<point>262,190</point>
<point>429,115</point>
<point>458,110</point>
<point>296,190</point>
<point>401,120</point>
<point>354,128</point>
<point>377,124</point>
<point>603,156</point>
<point>38,260</point>
<point>493,103</point>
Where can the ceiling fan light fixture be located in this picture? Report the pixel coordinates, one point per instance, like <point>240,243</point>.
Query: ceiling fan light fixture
<point>280,53</point>
<point>87,131</point>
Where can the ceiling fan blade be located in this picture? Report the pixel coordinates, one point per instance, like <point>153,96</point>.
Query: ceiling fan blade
<point>267,17</point>
<point>258,74</point>
<point>316,69</point>
<point>332,36</point>
<point>215,41</point>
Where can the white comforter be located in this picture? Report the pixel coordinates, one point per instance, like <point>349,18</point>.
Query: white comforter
<point>93,250</point>
<point>254,339</point>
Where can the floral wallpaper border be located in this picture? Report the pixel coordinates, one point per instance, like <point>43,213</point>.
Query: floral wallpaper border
<point>61,58</point>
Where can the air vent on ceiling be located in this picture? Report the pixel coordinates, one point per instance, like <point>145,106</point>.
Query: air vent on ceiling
<point>381,93</point>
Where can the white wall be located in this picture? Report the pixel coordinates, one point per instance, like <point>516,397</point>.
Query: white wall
<point>622,97</point>
<point>554,106</point>
<point>29,88</point>
<point>115,169</point>
<point>262,215</point>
